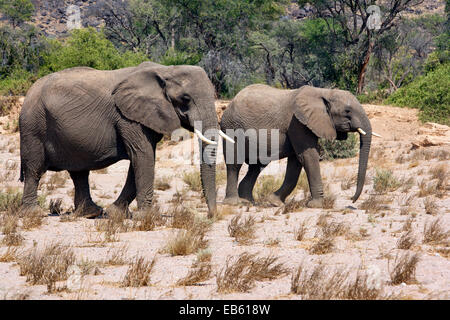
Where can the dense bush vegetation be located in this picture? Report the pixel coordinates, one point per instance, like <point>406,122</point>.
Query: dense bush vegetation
<point>430,93</point>
<point>339,149</point>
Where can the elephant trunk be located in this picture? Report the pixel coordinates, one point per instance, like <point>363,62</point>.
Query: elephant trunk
<point>208,154</point>
<point>363,123</point>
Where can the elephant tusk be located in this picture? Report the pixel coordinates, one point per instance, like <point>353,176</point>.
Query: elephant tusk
<point>361,131</point>
<point>376,134</point>
<point>223,135</point>
<point>203,138</point>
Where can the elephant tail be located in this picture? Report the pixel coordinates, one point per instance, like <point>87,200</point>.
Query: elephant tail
<point>22,177</point>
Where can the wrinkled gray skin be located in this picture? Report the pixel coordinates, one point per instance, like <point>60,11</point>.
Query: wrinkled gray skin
<point>301,116</point>
<point>82,119</point>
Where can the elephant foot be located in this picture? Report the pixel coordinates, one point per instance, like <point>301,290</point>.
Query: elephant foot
<point>275,200</point>
<point>234,201</point>
<point>89,211</point>
<point>315,203</point>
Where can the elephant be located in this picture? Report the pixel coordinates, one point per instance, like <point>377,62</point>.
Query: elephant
<point>300,117</point>
<point>83,119</point>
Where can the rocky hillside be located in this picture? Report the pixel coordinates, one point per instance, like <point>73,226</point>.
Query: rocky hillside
<point>51,16</point>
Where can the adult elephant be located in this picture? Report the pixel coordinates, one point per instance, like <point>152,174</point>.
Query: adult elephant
<point>82,119</point>
<point>301,117</point>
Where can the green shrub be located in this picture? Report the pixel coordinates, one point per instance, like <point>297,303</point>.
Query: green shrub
<point>376,96</point>
<point>385,181</point>
<point>17,83</point>
<point>174,57</point>
<point>429,93</point>
<point>89,48</point>
<point>339,149</point>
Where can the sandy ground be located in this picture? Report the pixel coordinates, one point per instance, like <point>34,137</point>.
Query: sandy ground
<point>404,139</point>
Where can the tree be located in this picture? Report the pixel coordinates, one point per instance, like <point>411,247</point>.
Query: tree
<point>139,25</point>
<point>401,52</point>
<point>219,30</point>
<point>296,53</point>
<point>350,19</point>
<point>17,11</point>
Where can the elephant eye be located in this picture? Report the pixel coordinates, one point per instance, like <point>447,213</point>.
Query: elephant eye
<point>186,98</point>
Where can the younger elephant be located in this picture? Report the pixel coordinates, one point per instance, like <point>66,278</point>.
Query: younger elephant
<point>301,116</point>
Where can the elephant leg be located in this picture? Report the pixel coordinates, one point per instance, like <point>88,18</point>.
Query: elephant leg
<point>306,147</point>
<point>82,199</point>
<point>293,170</point>
<point>128,193</point>
<point>231,193</point>
<point>30,199</point>
<point>32,169</point>
<point>140,144</point>
<point>312,168</point>
<point>248,183</point>
<point>144,171</point>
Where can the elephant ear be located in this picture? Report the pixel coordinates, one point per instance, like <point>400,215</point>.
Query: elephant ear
<point>142,98</point>
<point>311,108</point>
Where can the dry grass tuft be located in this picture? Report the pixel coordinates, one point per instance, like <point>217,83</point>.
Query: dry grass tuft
<point>9,255</point>
<point>323,246</point>
<point>189,240</point>
<point>293,206</point>
<point>114,224</point>
<point>242,229</point>
<point>384,181</point>
<point>117,256</point>
<point>334,229</point>
<point>148,220</point>
<point>265,186</point>
<point>204,255</point>
<point>46,266</point>
<point>406,241</point>
<point>327,233</point>
<point>182,218</point>
<point>240,273</point>
<point>223,211</point>
<point>201,271</point>
<point>322,220</point>
<point>372,204</point>
<point>328,201</point>
<point>10,201</point>
<point>348,182</point>
<point>32,218</point>
<point>55,207</point>
<point>326,283</point>
<point>404,268</point>
<point>12,236</point>
<point>430,206</point>
<point>434,233</point>
<point>439,171</point>
<point>300,232</point>
<point>436,188</point>
<point>407,226</point>
<point>162,184</point>
<point>193,180</point>
<point>138,273</point>
<point>302,183</point>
